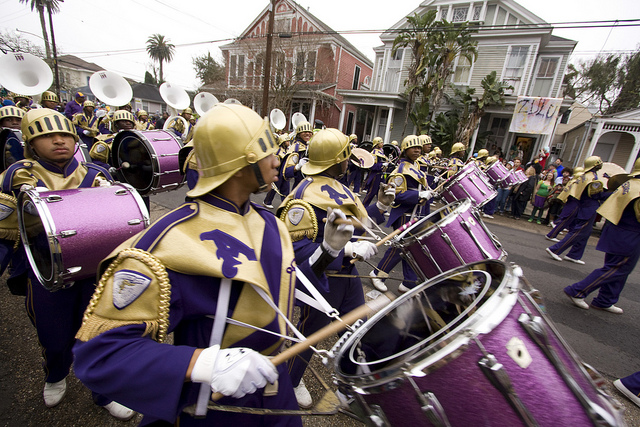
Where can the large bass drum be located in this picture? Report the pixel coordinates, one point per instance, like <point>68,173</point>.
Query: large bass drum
<point>469,348</point>
<point>148,160</point>
<point>67,233</point>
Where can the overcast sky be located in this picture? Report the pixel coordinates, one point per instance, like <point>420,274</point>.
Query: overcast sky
<point>113,33</point>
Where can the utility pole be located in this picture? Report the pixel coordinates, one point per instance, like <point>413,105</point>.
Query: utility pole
<point>267,60</point>
<point>55,54</point>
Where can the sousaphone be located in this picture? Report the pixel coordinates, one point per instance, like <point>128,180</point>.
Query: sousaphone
<point>25,73</point>
<point>177,99</point>
<point>203,102</point>
<point>362,158</point>
<point>277,119</point>
<point>110,88</point>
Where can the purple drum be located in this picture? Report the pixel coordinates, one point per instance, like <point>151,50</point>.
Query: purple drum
<point>469,348</point>
<point>510,180</point>
<point>67,233</point>
<point>468,183</point>
<point>452,236</point>
<point>148,160</point>
<point>496,173</point>
<point>82,153</point>
<point>521,177</point>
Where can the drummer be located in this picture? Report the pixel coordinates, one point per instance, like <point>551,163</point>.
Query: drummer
<point>481,159</point>
<point>297,151</point>
<point>372,184</point>
<point>101,150</point>
<point>143,122</point>
<point>489,208</point>
<point>303,212</point>
<point>282,185</point>
<point>412,192</point>
<point>11,118</point>
<point>455,159</point>
<point>86,123</point>
<point>50,142</point>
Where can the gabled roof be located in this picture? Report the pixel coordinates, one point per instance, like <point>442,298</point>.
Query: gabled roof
<point>633,114</point>
<point>324,29</point>
<point>75,62</point>
<point>147,91</point>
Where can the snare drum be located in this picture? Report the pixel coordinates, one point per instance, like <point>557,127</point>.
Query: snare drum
<point>497,173</point>
<point>521,177</point>
<point>510,180</point>
<point>452,236</point>
<point>152,157</point>
<point>469,348</point>
<point>469,183</point>
<point>62,243</point>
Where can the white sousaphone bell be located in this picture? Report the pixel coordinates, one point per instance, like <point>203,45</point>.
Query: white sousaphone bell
<point>296,119</point>
<point>110,88</point>
<point>177,99</point>
<point>24,73</point>
<point>277,119</point>
<point>203,102</point>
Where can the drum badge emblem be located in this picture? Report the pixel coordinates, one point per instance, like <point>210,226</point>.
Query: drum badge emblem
<point>295,215</point>
<point>398,180</point>
<point>128,285</point>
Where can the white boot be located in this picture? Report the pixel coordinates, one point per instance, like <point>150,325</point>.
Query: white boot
<point>54,392</point>
<point>377,283</point>
<point>302,396</point>
<point>119,411</point>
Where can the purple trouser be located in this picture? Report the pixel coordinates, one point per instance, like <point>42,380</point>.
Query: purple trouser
<point>609,279</point>
<point>565,219</point>
<point>576,239</point>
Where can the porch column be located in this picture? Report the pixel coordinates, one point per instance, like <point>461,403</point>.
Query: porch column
<point>387,131</point>
<point>634,152</point>
<point>594,140</point>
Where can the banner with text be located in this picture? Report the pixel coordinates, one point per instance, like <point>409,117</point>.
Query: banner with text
<point>535,115</point>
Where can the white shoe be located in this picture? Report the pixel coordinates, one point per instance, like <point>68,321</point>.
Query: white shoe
<point>54,392</point>
<point>402,288</point>
<point>552,224</point>
<point>302,396</point>
<point>553,239</point>
<point>487,215</point>
<point>377,283</point>
<point>577,261</point>
<point>628,394</point>
<point>612,309</point>
<point>554,256</point>
<point>578,302</point>
<point>119,411</point>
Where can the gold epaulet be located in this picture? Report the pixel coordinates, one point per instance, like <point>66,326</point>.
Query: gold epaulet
<point>399,181</point>
<point>9,218</point>
<point>300,219</point>
<point>140,294</point>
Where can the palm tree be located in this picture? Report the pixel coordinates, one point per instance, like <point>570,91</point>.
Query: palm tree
<point>159,49</point>
<point>39,6</point>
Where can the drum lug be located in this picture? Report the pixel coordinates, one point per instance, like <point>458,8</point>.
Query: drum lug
<point>134,221</point>
<point>121,192</point>
<point>447,239</point>
<point>67,233</point>
<point>467,228</point>
<point>54,198</point>
<point>434,411</point>
<point>70,272</point>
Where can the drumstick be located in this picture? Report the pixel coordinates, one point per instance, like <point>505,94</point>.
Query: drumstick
<point>339,221</point>
<point>331,329</point>
<point>391,235</point>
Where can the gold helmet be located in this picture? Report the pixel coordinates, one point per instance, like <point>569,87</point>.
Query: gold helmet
<point>11,111</point>
<point>438,151</point>
<point>425,139</point>
<point>43,121</point>
<point>226,139</point>
<point>88,104</point>
<point>352,137</point>
<point>124,115</point>
<point>304,127</point>
<point>432,154</point>
<point>377,140</point>
<point>284,138</point>
<point>457,147</point>
<point>592,162</point>
<point>394,142</point>
<point>187,111</point>
<point>18,95</point>
<point>483,153</point>
<point>327,148</point>
<point>410,141</point>
<point>142,113</point>
<point>489,160</point>
<point>578,171</point>
<point>49,96</point>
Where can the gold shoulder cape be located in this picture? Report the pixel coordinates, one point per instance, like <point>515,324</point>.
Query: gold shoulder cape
<point>576,186</point>
<point>614,206</point>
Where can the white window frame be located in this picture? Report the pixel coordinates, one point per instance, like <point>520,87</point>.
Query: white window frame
<point>355,81</point>
<point>459,9</point>
<point>310,72</point>
<point>553,80</point>
<point>522,85</point>
<point>455,67</point>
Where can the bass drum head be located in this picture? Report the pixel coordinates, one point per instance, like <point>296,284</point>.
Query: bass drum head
<point>131,147</point>
<point>425,322</point>
<point>366,145</point>
<point>37,236</point>
<point>391,151</point>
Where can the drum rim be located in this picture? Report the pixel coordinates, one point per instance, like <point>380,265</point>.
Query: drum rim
<point>462,205</point>
<point>44,215</point>
<point>486,318</point>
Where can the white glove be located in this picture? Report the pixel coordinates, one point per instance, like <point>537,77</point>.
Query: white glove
<point>301,163</point>
<point>101,113</point>
<point>426,194</point>
<point>362,250</point>
<point>386,195</point>
<point>336,236</point>
<point>234,372</point>
<point>86,132</point>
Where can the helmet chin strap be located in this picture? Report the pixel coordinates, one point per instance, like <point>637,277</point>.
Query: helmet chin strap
<point>262,186</point>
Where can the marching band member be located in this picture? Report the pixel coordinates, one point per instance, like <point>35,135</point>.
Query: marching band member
<point>372,184</point>
<point>86,123</point>
<point>489,208</point>
<point>50,142</point>
<point>197,272</point>
<point>143,122</point>
<point>101,150</point>
<point>49,100</point>
<point>588,192</point>
<point>11,118</point>
<point>482,158</point>
<point>22,101</point>
<point>282,185</point>
<point>297,151</point>
<point>568,212</point>
<point>620,241</point>
<point>412,192</point>
<point>178,127</point>
<point>303,212</point>
<point>455,159</point>
<point>74,107</point>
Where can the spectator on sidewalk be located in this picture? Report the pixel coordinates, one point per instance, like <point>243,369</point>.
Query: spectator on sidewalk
<point>542,190</point>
